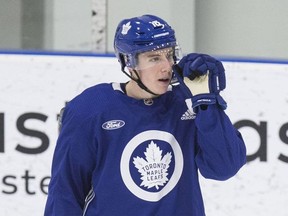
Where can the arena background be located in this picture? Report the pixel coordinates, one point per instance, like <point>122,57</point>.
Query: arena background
<point>47,56</point>
<point>35,87</point>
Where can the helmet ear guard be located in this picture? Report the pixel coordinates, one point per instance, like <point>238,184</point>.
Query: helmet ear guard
<point>121,60</point>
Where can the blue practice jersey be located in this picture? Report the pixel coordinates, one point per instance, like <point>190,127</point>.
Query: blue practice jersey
<point>119,156</point>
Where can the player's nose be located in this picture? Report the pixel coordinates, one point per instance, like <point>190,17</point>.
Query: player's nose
<point>166,65</point>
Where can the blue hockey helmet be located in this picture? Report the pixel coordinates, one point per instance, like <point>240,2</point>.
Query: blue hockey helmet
<point>141,34</point>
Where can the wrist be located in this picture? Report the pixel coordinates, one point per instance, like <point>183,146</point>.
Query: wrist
<point>204,100</point>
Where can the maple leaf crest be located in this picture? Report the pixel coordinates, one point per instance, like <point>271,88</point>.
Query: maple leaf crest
<point>154,170</point>
<point>125,28</point>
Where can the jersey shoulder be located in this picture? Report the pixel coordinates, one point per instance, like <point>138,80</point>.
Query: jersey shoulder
<point>92,101</point>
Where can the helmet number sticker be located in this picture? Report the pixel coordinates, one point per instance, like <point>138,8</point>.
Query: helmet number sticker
<point>156,23</point>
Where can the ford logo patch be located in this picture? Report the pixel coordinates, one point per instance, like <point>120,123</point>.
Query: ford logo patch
<point>113,124</point>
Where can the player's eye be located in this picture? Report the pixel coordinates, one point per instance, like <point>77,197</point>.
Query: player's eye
<point>155,59</point>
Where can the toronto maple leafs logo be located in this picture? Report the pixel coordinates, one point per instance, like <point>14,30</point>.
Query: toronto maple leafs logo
<point>154,170</point>
<point>148,172</point>
<point>125,28</point>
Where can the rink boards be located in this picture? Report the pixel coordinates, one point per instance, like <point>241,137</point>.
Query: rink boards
<point>35,87</point>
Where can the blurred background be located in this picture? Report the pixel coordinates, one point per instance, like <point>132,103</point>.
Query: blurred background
<point>51,50</point>
<point>257,29</point>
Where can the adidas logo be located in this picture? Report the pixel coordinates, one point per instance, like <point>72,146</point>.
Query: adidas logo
<point>188,115</point>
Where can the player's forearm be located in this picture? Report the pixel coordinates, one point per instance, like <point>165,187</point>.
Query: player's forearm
<point>222,150</point>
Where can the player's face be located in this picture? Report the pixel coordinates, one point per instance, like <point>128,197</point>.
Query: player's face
<point>155,69</point>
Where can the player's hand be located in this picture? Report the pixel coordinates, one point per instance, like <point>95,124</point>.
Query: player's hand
<point>204,76</point>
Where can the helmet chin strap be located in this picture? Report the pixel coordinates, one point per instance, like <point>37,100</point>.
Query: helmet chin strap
<point>139,82</point>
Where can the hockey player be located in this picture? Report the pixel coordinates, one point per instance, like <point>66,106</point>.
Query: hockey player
<point>135,148</point>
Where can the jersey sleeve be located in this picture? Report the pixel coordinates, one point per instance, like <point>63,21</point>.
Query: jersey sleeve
<point>72,165</point>
<point>221,150</point>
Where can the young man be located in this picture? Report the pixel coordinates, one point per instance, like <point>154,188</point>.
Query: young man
<point>136,148</point>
